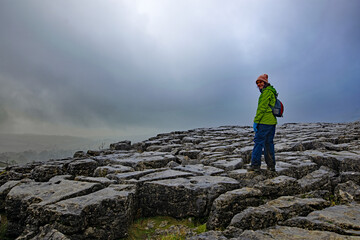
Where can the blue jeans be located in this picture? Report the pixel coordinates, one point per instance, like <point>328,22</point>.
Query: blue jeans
<point>264,139</point>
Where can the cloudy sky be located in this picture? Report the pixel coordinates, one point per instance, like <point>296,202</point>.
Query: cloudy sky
<point>140,67</point>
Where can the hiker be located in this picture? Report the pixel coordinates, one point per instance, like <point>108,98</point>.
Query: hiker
<point>264,126</point>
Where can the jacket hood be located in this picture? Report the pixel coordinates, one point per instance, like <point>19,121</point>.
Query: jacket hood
<point>271,88</point>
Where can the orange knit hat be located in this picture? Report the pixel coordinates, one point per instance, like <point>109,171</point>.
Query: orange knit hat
<point>263,77</point>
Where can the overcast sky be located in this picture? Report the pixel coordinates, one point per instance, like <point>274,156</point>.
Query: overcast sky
<point>140,67</point>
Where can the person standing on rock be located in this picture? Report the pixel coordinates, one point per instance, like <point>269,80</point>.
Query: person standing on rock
<point>264,126</point>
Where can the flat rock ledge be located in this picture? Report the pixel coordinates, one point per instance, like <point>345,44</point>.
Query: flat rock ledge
<point>200,173</point>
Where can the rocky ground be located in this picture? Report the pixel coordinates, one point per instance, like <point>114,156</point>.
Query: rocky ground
<point>200,173</point>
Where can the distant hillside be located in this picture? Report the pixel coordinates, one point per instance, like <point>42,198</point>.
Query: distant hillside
<point>22,148</point>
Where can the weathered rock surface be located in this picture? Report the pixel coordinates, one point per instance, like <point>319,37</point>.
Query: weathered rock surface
<point>343,219</point>
<point>271,213</point>
<point>284,233</point>
<point>184,197</point>
<point>198,173</point>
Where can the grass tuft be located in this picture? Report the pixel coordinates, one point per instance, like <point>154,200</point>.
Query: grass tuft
<point>164,228</point>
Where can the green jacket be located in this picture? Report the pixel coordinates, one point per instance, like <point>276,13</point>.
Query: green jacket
<point>264,113</point>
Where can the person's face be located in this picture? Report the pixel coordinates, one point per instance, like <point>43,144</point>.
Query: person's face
<point>260,84</point>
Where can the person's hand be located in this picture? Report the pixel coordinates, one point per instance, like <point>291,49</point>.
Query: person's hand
<point>255,126</point>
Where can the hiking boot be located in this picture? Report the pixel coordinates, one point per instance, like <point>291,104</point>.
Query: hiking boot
<point>252,168</point>
<point>271,169</point>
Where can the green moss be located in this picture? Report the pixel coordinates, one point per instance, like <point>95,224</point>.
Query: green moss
<point>201,228</point>
<point>148,228</point>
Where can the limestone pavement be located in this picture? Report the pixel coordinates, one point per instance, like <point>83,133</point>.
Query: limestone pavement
<point>201,173</point>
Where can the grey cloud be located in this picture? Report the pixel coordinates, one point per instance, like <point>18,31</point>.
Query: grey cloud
<point>191,64</point>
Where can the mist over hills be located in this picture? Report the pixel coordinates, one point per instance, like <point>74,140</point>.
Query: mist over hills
<point>23,148</point>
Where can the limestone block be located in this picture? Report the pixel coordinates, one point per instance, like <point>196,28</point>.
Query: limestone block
<point>230,203</point>
<point>85,167</point>
<point>319,179</point>
<point>167,174</point>
<point>274,211</point>
<point>200,169</point>
<point>342,219</point>
<point>44,172</point>
<point>183,197</point>
<point>210,235</point>
<point>347,192</point>
<point>281,232</point>
<point>279,186</point>
<point>123,145</point>
<point>104,214</point>
<point>4,190</point>
<point>22,196</point>
<point>229,165</point>
<point>105,170</point>
<point>350,176</point>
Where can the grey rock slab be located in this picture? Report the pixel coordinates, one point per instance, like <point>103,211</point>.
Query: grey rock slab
<point>112,159</point>
<point>291,206</point>
<point>194,140</point>
<point>342,219</point>
<point>47,232</point>
<point>84,167</point>
<point>279,186</point>
<point>123,145</point>
<point>105,214</point>
<point>249,179</point>
<point>285,233</point>
<point>44,172</point>
<point>4,190</point>
<point>193,154</point>
<point>105,170</point>
<point>256,218</point>
<point>343,161</point>
<point>167,174</point>
<point>102,180</point>
<point>200,169</point>
<point>350,176</point>
<point>41,193</point>
<point>271,213</point>
<point>230,203</point>
<point>319,179</point>
<point>210,235</point>
<point>183,197</point>
<point>229,165</point>
<point>347,192</point>
<point>136,175</point>
<point>146,161</point>
<point>246,153</point>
